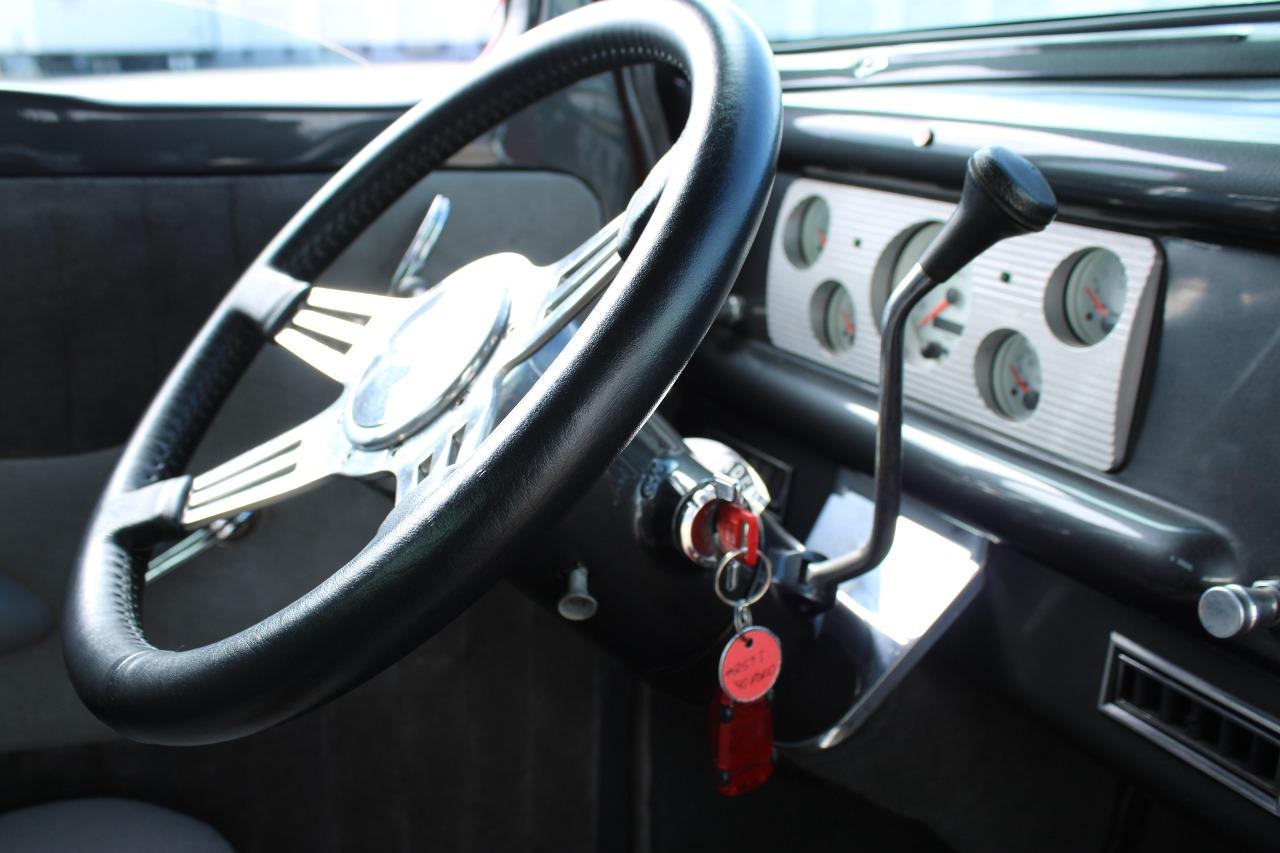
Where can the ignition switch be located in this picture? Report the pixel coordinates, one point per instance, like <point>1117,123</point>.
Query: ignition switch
<point>721,501</point>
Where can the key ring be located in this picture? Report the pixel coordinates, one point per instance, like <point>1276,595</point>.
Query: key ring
<point>751,597</point>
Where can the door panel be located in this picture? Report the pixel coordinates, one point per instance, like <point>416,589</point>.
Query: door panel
<point>105,282</point>
<point>111,277</point>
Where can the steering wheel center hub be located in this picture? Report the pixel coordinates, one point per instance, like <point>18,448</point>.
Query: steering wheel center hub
<point>429,361</point>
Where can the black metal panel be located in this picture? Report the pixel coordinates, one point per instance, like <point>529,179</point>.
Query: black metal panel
<point>1121,539</point>
<point>1050,638</point>
<point>1206,168</point>
<point>1196,501</point>
<point>1207,437</point>
<point>1194,505</point>
<point>52,135</point>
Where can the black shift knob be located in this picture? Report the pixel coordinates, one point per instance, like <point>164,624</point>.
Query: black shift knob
<point>1004,196</point>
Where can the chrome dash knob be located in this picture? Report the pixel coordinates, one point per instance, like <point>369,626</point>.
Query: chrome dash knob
<point>1231,609</point>
<point>577,604</point>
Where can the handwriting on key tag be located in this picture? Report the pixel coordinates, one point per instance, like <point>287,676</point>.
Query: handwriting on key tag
<point>752,659</point>
<point>750,663</point>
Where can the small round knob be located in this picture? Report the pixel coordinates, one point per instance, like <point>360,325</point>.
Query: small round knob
<point>1230,610</point>
<point>577,604</point>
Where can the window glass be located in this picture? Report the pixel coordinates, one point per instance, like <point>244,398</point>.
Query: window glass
<point>798,20</point>
<point>57,39</point>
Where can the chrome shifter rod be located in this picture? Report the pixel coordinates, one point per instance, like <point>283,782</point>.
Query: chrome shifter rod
<point>1004,196</point>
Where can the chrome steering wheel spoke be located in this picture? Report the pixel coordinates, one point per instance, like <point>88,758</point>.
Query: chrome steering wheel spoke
<point>327,331</point>
<point>570,284</point>
<point>540,303</point>
<point>337,332</point>
<point>424,378</point>
<point>429,455</point>
<point>296,460</point>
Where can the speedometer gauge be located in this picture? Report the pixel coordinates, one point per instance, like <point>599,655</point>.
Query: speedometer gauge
<point>806,233</point>
<point>1014,385</point>
<point>1093,297</point>
<point>937,322</point>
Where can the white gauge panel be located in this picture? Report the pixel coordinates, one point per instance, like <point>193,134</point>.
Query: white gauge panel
<point>1085,403</point>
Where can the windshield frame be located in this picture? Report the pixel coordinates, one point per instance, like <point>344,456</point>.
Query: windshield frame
<point>1116,22</point>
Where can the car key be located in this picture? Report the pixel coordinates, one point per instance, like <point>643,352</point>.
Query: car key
<point>737,527</point>
<point>741,714</point>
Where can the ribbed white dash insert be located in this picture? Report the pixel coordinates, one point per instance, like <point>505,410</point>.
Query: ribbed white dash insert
<point>1089,392</point>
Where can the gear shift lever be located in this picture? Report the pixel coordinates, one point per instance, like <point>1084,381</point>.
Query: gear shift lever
<point>1004,196</point>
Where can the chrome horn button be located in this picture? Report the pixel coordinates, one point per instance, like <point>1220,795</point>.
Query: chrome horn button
<point>429,361</point>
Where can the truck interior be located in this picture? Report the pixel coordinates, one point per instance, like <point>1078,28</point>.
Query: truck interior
<point>639,425</point>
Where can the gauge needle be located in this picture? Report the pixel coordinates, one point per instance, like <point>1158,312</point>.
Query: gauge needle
<point>822,238</point>
<point>1017,377</point>
<point>848,324</point>
<point>933,315</point>
<point>1097,303</point>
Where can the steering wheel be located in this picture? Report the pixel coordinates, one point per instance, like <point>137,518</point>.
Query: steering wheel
<point>430,389</point>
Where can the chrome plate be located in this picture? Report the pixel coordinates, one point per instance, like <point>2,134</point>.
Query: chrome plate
<point>425,379</point>
<point>430,360</point>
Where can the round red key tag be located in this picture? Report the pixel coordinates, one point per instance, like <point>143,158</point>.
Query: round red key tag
<point>750,663</point>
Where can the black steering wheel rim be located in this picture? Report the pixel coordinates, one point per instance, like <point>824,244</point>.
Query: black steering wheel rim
<point>439,549</point>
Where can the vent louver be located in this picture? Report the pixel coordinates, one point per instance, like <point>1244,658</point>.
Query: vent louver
<point>1234,743</point>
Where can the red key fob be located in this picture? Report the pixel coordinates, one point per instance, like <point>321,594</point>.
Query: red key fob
<point>741,744</point>
<point>741,715</point>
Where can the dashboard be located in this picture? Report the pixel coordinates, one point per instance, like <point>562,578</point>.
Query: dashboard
<point>1041,340</point>
<point>1092,400</point>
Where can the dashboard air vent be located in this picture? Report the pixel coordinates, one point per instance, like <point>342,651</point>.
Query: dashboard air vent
<point>1234,743</point>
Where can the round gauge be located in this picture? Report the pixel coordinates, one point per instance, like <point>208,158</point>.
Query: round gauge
<point>1094,295</point>
<point>1014,385</point>
<point>806,234</point>
<point>834,321</point>
<point>937,322</point>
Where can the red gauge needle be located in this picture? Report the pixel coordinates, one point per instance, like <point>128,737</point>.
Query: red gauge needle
<point>1017,377</point>
<point>822,239</point>
<point>933,315</point>
<point>848,324</point>
<point>1097,303</point>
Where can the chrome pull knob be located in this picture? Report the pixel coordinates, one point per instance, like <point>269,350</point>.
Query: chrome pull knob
<point>1231,610</point>
<point>407,281</point>
<point>577,604</point>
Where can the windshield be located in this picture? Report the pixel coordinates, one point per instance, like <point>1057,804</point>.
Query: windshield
<point>802,20</point>
<point>60,39</point>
